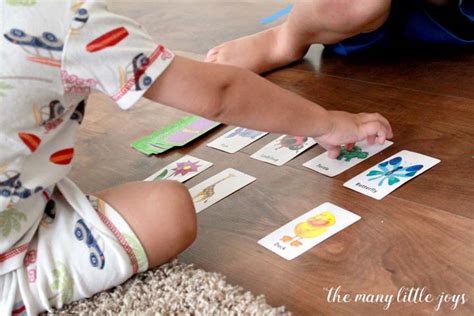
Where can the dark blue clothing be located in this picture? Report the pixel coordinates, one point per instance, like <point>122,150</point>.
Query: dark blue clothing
<point>415,20</point>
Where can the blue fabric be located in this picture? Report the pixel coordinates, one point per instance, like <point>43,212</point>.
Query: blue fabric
<point>467,8</point>
<point>419,25</point>
<point>360,42</point>
<point>411,22</point>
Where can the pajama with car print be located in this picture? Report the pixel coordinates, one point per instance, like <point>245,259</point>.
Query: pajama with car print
<point>58,245</point>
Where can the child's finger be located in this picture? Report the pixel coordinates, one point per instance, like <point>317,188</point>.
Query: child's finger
<point>333,151</point>
<point>371,140</point>
<point>389,132</point>
<point>388,127</point>
<point>350,146</point>
<point>376,117</point>
<point>375,129</point>
<point>381,139</point>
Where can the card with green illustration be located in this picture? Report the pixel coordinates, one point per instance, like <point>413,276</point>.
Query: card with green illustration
<point>178,133</point>
<point>346,160</point>
<point>183,131</point>
<point>146,146</point>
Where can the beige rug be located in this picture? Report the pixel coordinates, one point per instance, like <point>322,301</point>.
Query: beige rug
<point>175,288</point>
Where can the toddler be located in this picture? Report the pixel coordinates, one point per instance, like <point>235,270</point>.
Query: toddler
<point>350,26</point>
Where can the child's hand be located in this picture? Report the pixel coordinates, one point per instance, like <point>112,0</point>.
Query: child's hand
<point>347,128</point>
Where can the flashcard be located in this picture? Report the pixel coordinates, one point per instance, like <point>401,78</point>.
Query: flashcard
<point>236,139</point>
<point>218,187</point>
<point>178,133</point>
<point>347,159</point>
<point>145,145</point>
<point>308,230</point>
<point>377,182</point>
<point>181,170</point>
<point>191,129</point>
<point>283,149</point>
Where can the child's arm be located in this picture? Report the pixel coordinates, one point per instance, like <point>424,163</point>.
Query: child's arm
<point>239,97</point>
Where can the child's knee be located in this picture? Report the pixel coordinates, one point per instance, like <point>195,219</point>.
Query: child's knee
<point>174,204</point>
<point>185,213</point>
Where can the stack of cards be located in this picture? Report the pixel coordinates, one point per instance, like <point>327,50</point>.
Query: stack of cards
<point>218,187</point>
<point>308,230</point>
<point>181,170</point>
<point>283,149</point>
<point>236,139</point>
<point>346,160</point>
<point>377,182</point>
<point>177,134</point>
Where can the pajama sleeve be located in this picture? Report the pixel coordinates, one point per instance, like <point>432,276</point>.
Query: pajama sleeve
<point>111,54</point>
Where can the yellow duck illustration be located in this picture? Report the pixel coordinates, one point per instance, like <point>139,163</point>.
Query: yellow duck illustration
<point>311,228</point>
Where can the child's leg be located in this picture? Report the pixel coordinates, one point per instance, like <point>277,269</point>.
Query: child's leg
<point>310,22</point>
<point>161,214</point>
<point>85,246</point>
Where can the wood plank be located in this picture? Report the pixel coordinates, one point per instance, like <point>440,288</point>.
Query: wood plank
<point>197,26</point>
<point>436,70</point>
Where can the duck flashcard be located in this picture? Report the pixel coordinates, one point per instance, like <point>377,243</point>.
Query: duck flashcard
<point>308,230</point>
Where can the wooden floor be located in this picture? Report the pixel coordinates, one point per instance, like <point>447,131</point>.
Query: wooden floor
<point>421,235</point>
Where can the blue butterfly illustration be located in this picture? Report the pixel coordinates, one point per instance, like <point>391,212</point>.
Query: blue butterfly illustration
<point>392,170</point>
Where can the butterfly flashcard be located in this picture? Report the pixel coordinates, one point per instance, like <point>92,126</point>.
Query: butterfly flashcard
<point>392,170</point>
<point>387,176</point>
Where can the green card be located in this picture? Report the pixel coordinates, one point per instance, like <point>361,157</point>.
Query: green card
<point>178,133</point>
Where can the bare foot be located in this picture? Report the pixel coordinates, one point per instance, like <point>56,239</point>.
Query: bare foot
<point>259,52</point>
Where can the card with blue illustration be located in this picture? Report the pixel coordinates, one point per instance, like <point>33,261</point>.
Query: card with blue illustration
<point>236,139</point>
<point>346,160</point>
<point>382,179</point>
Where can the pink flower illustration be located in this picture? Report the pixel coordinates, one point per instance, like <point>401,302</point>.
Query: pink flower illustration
<point>183,168</point>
